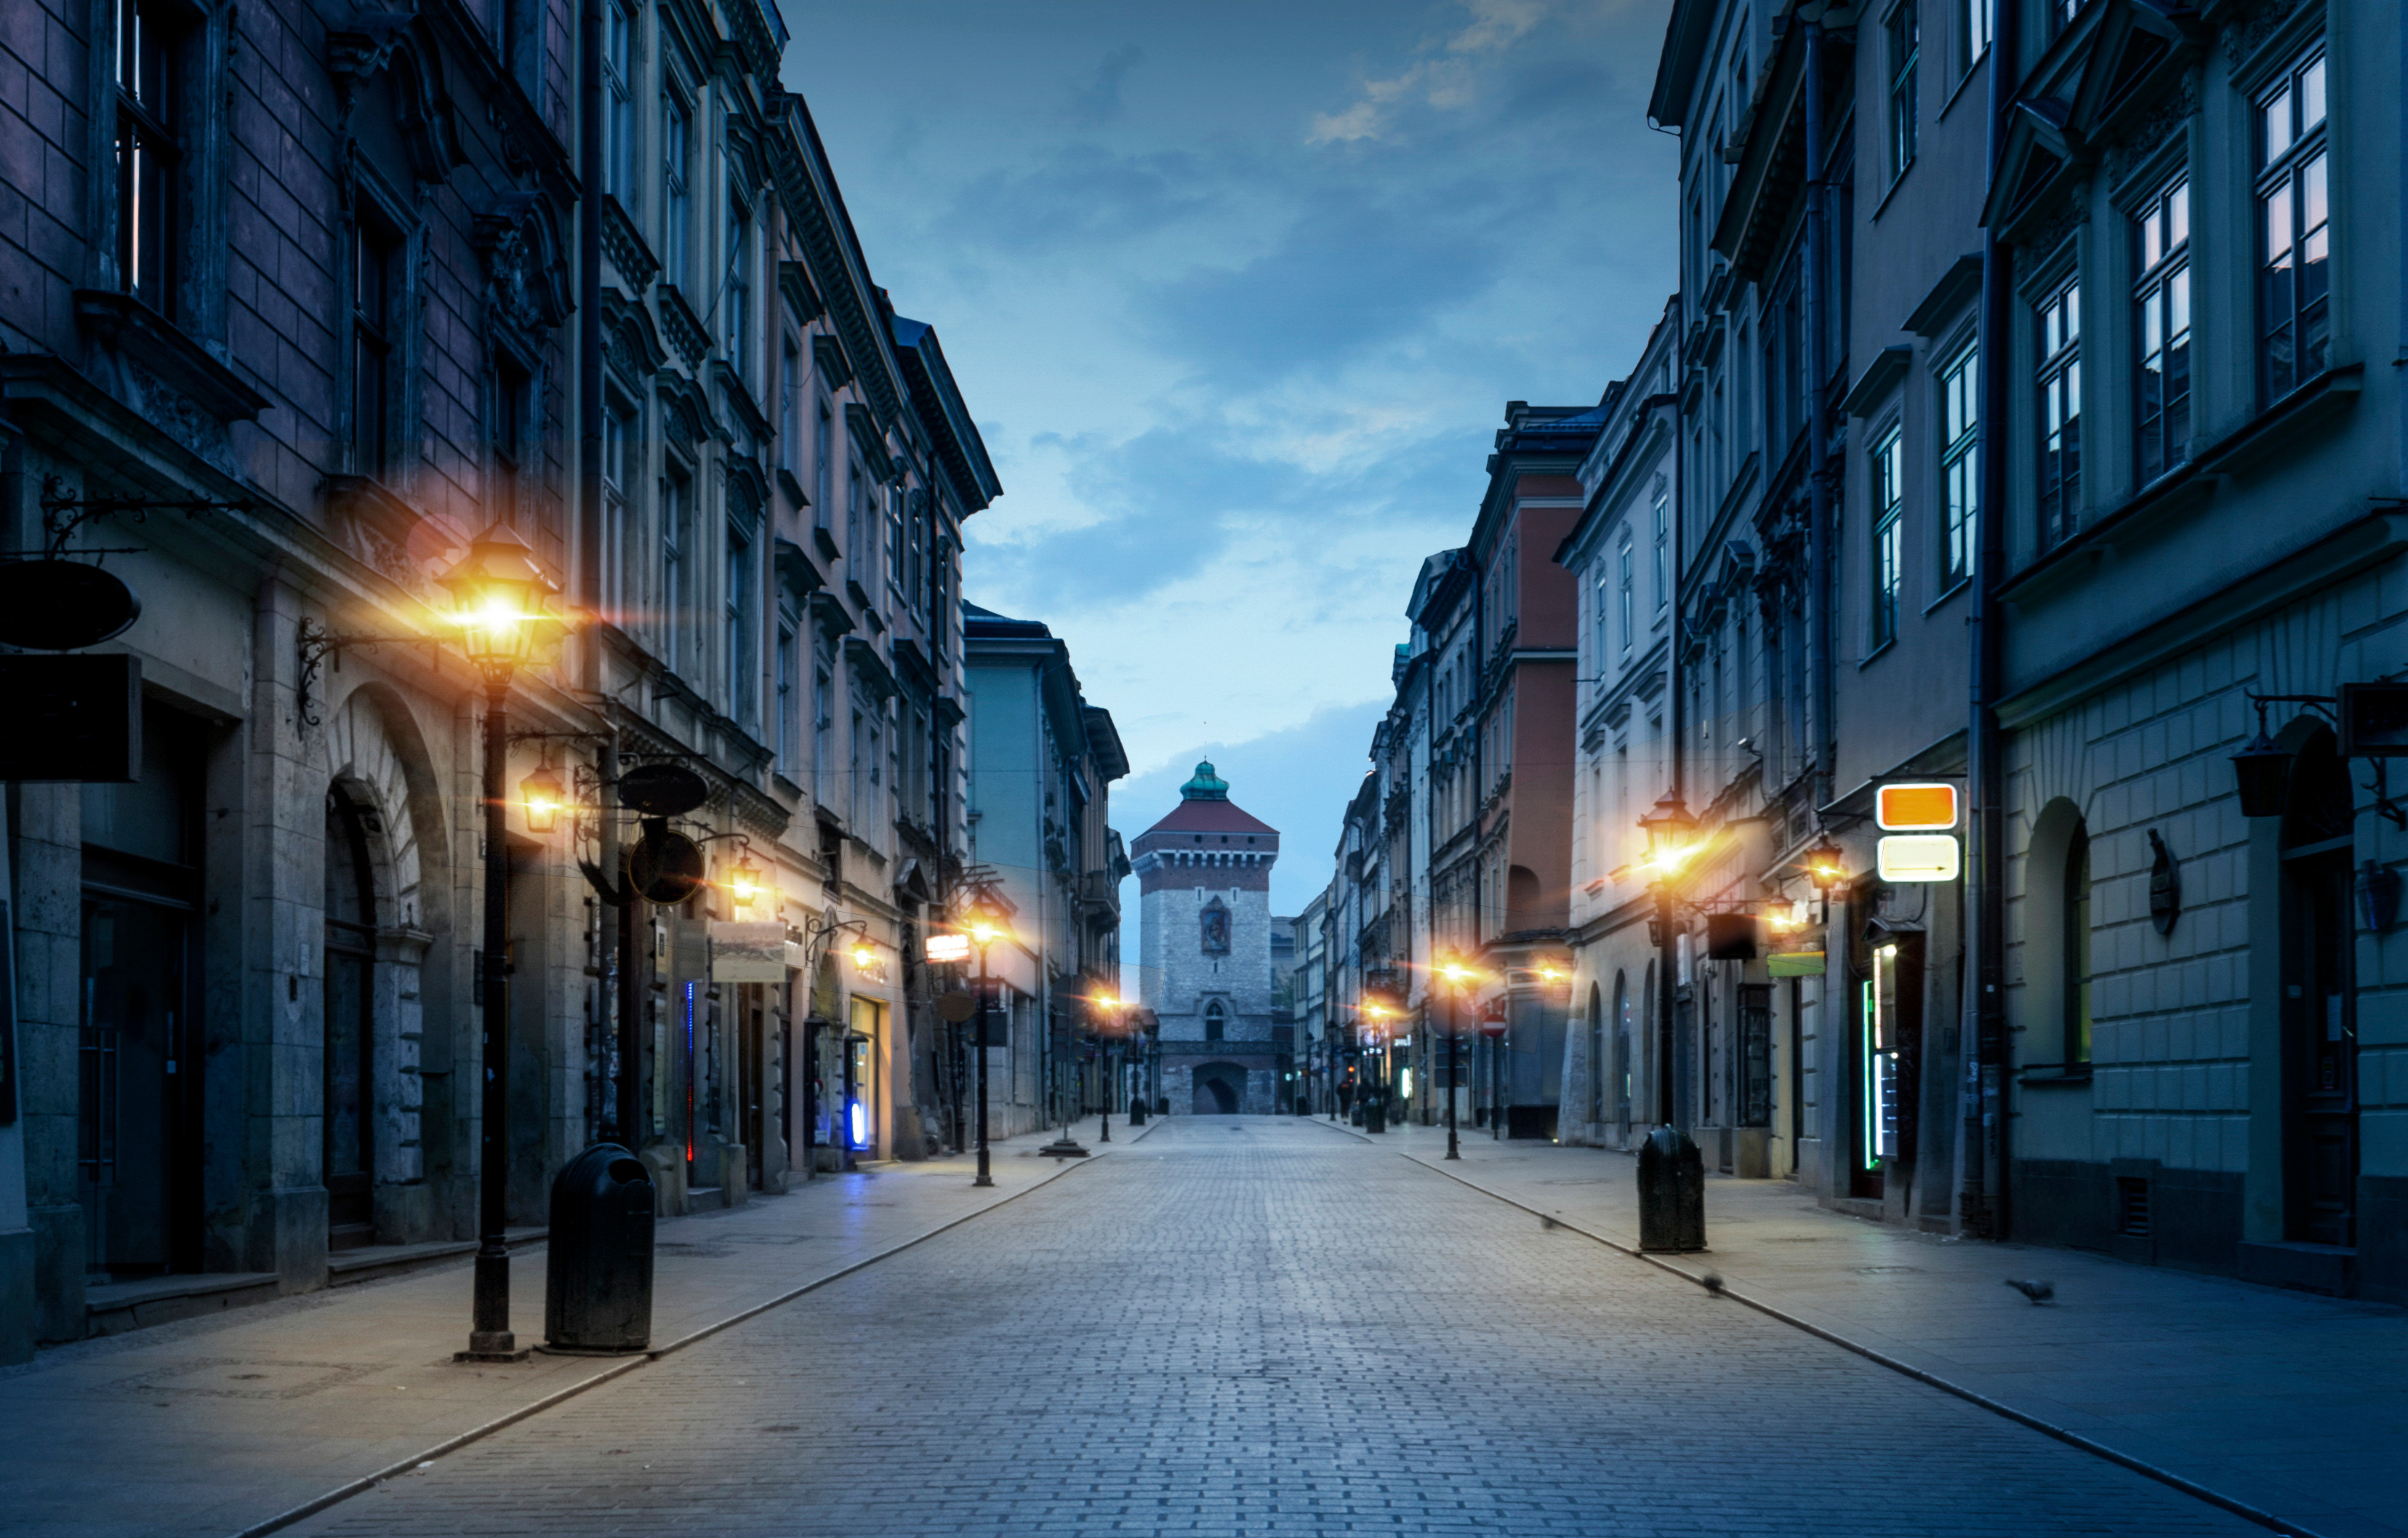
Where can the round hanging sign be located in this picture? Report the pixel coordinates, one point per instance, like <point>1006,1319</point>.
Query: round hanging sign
<point>666,868</point>
<point>58,606</point>
<point>661,789</point>
<point>957,1005</point>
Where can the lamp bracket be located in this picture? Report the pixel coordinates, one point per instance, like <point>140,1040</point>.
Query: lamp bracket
<point>313,643</point>
<point>2326,705</point>
<point>2384,805</point>
<point>62,514</point>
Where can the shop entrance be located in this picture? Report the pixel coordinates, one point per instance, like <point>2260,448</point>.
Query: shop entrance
<point>861,1120</point>
<point>2319,1013</point>
<point>139,1111</point>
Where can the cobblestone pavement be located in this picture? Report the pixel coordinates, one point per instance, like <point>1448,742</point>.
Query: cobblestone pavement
<point>1257,1325</point>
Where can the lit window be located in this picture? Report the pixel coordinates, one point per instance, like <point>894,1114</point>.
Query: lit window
<point>2057,345</point>
<point>2295,282</point>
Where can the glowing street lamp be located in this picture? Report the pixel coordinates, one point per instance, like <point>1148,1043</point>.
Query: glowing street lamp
<point>542,795</point>
<point>744,883</point>
<point>1452,977</point>
<point>985,926</point>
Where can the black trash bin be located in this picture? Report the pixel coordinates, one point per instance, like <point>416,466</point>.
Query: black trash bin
<point>598,1282</point>
<point>1162,1105</point>
<point>1136,1113</point>
<point>1375,1114</point>
<point>1671,1192</point>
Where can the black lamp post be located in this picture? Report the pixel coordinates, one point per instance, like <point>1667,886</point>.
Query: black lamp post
<point>985,927</point>
<point>1672,1173</point>
<point>498,593</point>
<point>1454,976</point>
<point>1106,1032</point>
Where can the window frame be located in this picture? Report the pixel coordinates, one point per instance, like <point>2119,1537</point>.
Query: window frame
<point>2161,261</point>
<point>147,91</point>
<point>2285,175</point>
<point>1903,39</point>
<point>677,186</point>
<point>1885,489</point>
<point>1960,467</point>
<point>618,120</point>
<point>2057,384</point>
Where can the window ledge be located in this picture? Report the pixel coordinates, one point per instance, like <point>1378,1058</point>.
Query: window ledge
<point>152,341</point>
<point>1959,585</point>
<point>2049,1075</point>
<point>1891,191</point>
<point>1876,653</point>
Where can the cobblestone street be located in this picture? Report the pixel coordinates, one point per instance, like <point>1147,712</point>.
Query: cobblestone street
<point>1258,1326</point>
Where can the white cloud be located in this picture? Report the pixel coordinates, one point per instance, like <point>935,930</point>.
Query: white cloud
<point>1444,83</point>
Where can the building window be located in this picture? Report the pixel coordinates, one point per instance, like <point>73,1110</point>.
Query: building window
<point>895,571</point>
<point>2057,345</point>
<point>822,730</point>
<point>738,298</point>
<point>1629,599</point>
<point>2295,281</point>
<point>2077,948</point>
<point>1905,47</point>
<point>737,613</point>
<point>618,439</point>
<point>1959,419</point>
<point>513,407</point>
<point>790,409</point>
<point>148,153</point>
<point>1663,553</point>
<point>788,666</point>
<point>618,117</point>
<point>2162,300</point>
<point>1975,21</point>
<point>1888,494</point>
<point>1216,1022</point>
<point>674,492</point>
<point>855,488</point>
<point>823,462</point>
<point>376,363</point>
<point>677,201</point>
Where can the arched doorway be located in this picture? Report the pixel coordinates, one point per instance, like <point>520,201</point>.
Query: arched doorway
<point>2318,1002</point>
<point>1220,1090</point>
<point>348,1123</point>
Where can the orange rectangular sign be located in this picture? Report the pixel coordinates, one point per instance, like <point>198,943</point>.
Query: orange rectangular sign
<point>1914,808</point>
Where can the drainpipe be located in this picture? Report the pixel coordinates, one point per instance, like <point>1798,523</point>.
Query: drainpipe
<point>1818,511</point>
<point>1818,369</point>
<point>1982,1202</point>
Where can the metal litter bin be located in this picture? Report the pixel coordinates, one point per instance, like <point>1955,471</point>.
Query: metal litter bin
<point>1375,1114</point>
<point>598,1280</point>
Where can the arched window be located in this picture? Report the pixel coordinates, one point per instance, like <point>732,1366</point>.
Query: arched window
<point>2076,949</point>
<point>1216,1021</point>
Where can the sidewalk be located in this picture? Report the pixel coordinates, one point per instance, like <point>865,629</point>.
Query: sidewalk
<point>220,1425</point>
<point>2294,1404</point>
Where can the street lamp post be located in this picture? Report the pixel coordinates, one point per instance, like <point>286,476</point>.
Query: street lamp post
<point>498,591</point>
<point>1672,1173</point>
<point>985,930</point>
<point>1107,1004</point>
<point>1453,975</point>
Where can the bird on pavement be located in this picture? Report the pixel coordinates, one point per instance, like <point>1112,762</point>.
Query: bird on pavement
<point>2039,1292</point>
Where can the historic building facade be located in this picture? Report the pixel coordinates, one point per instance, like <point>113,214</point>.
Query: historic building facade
<point>1205,931</point>
<point>332,325</point>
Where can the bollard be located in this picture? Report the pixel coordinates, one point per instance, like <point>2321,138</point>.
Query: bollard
<point>1671,1192</point>
<point>598,1275</point>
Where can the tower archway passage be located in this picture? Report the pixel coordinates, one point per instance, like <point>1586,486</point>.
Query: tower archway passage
<point>1219,1089</point>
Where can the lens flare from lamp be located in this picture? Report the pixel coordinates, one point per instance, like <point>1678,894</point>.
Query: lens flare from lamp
<point>744,883</point>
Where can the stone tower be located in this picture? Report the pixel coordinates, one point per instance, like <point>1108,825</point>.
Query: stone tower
<point>1204,877</point>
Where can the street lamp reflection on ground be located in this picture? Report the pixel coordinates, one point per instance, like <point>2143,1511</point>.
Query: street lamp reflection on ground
<point>499,595</point>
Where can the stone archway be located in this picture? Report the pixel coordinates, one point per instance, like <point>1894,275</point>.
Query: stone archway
<point>380,788</point>
<point>1219,1089</point>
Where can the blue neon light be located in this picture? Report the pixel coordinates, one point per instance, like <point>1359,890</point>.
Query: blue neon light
<point>859,1116</point>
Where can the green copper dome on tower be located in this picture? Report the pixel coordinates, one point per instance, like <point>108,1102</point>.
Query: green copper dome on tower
<point>1206,787</point>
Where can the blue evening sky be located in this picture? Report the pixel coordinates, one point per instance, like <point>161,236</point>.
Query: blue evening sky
<point>1237,293</point>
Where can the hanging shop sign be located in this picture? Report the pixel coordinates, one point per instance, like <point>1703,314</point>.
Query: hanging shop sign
<point>662,790</point>
<point>59,606</point>
<point>1917,843</point>
<point>74,718</point>
<point>1795,963</point>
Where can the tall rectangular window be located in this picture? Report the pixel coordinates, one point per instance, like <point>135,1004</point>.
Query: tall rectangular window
<point>2056,345</point>
<point>790,409</point>
<point>897,573</point>
<point>618,439</point>
<point>1960,409</point>
<point>375,293</point>
<point>789,666</point>
<point>1630,600</point>
<point>617,112</point>
<point>673,574</point>
<point>676,200</point>
<point>823,729</point>
<point>823,464</point>
<point>737,612</point>
<point>738,299</point>
<point>856,487</point>
<point>148,153</point>
<point>1975,18</point>
<point>1663,553</point>
<point>2161,302</point>
<point>1905,39</point>
<point>1888,496</point>
<point>513,412</point>
<point>2294,240</point>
